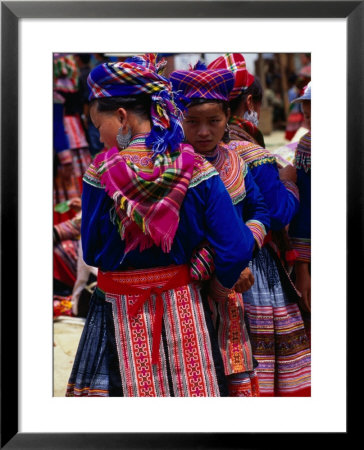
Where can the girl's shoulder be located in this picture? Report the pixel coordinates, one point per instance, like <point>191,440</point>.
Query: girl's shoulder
<point>202,170</point>
<point>253,154</point>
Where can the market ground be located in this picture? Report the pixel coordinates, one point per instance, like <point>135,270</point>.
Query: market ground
<point>67,330</point>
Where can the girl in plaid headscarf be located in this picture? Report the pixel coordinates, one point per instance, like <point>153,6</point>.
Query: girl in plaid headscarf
<point>206,94</point>
<point>279,340</point>
<point>147,203</point>
<point>245,98</point>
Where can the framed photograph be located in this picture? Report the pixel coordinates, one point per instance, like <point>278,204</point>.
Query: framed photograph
<point>333,32</point>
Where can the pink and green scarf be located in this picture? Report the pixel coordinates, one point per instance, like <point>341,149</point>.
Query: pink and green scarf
<point>147,191</point>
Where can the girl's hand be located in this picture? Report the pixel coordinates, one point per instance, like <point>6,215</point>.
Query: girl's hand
<point>75,204</point>
<point>245,281</point>
<point>288,173</point>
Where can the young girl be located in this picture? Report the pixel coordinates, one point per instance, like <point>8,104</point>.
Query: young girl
<point>147,203</point>
<point>300,227</point>
<point>279,340</point>
<point>205,93</point>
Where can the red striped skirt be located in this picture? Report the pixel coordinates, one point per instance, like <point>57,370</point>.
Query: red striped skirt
<point>163,341</point>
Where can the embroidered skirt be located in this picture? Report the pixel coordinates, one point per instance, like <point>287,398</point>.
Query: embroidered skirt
<point>116,354</point>
<point>279,340</point>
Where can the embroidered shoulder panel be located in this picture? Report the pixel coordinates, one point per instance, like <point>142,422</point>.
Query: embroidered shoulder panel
<point>253,154</point>
<point>237,133</point>
<point>92,177</point>
<point>203,170</point>
<point>232,171</point>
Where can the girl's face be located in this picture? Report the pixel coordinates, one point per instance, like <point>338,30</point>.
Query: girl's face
<point>306,108</point>
<point>108,124</point>
<point>204,126</point>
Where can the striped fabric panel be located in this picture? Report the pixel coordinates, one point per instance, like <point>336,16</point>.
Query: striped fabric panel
<point>92,177</point>
<point>244,385</point>
<point>74,131</point>
<point>72,391</point>
<point>202,263</point>
<point>303,248</point>
<point>188,350</point>
<point>258,230</point>
<point>233,336</point>
<point>81,160</point>
<point>281,347</point>
<point>65,157</point>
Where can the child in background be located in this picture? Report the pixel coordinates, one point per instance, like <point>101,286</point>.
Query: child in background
<point>300,227</point>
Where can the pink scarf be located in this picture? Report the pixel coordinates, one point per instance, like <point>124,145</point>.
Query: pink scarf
<point>146,202</point>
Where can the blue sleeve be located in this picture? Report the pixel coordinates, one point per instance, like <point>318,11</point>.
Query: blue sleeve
<point>100,239</point>
<point>281,203</point>
<point>210,215</point>
<point>231,239</point>
<point>254,205</point>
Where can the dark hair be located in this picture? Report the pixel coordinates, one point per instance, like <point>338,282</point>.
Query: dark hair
<point>255,90</point>
<point>138,104</point>
<point>84,57</point>
<point>200,101</point>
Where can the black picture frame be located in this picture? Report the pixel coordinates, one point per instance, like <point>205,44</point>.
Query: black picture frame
<point>11,12</point>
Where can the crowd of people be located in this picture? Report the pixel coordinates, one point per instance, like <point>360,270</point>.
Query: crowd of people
<point>191,241</point>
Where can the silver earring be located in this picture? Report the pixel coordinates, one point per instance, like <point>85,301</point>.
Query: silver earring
<point>123,139</point>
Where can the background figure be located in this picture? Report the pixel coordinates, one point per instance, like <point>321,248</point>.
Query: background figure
<point>92,134</point>
<point>300,227</point>
<point>66,237</point>
<point>78,156</point>
<point>147,202</point>
<point>205,93</point>
<point>295,118</point>
<point>244,103</point>
<point>279,340</point>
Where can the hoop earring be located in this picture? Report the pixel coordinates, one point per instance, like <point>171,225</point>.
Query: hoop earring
<point>123,139</point>
<point>226,137</point>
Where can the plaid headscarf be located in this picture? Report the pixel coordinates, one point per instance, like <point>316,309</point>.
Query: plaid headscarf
<point>208,84</point>
<point>234,62</point>
<point>142,75</point>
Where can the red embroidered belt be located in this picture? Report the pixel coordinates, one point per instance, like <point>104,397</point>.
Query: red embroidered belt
<point>145,282</point>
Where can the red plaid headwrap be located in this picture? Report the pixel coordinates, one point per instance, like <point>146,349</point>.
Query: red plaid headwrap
<point>234,62</point>
<point>209,84</point>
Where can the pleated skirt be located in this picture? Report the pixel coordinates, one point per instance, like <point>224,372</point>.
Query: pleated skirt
<point>277,333</point>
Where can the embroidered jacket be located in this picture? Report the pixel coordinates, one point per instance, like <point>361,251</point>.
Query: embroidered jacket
<point>206,214</point>
<point>281,199</point>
